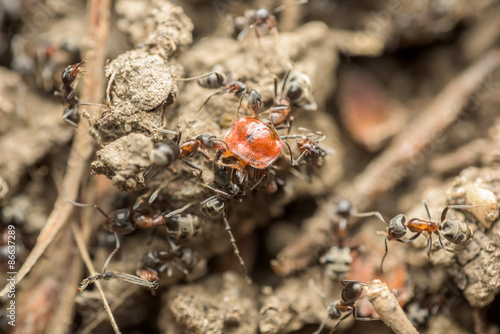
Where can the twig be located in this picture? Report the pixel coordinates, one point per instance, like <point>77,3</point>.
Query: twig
<point>100,318</point>
<point>82,148</point>
<point>88,262</point>
<point>387,307</point>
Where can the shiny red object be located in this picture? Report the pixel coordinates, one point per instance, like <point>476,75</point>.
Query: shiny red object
<point>254,142</point>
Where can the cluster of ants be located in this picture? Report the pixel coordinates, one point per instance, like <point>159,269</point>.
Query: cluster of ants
<point>245,159</point>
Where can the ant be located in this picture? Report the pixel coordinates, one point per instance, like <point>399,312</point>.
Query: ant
<point>351,293</point>
<point>262,18</point>
<point>125,221</point>
<point>455,231</point>
<point>164,153</point>
<point>295,90</point>
<point>225,188</point>
<point>337,259</point>
<point>216,80</point>
<point>159,261</point>
<point>67,92</point>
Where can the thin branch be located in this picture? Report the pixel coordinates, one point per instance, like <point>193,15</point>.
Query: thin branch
<point>88,262</point>
<point>82,148</point>
<point>388,308</point>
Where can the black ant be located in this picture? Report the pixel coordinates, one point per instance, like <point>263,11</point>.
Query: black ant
<point>67,93</point>
<point>296,90</point>
<point>455,231</point>
<point>155,262</point>
<point>260,19</point>
<point>225,188</point>
<point>343,308</point>
<point>337,259</point>
<point>216,80</point>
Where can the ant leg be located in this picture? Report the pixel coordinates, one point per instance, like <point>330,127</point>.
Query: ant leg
<point>71,116</point>
<point>381,269</point>
<point>235,248</point>
<point>321,326</point>
<point>429,246</point>
<point>290,151</point>
<point>446,248</point>
<point>362,318</point>
<point>427,209</point>
<point>190,164</point>
<point>338,323</point>
<point>117,247</point>
<point>455,207</point>
<point>208,99</point>
<point>415,236</point>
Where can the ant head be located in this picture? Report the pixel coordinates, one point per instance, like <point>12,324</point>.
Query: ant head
<point>344,207</point>
<point>262,14</point>
<point>120,222</point>
<point>396,229</point>
<point>164,153</point>
<point>254,101</point>
<point>214,207</point>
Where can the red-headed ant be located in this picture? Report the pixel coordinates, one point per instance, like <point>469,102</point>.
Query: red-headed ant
<point>455,231</point>
<point>216,80</point>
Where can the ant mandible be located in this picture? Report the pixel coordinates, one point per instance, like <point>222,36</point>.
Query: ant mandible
<point>67,92</point>
<point>455,231</point>
<point>352,291</point>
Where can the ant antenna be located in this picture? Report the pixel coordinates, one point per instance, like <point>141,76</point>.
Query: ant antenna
<point>112,253</point>
<point>283,7</point>
<point>83,205</point>
<point>235,248</point>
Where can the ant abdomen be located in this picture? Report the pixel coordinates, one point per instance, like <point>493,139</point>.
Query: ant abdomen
<point>213,80</point>
<point>457,232</point>
<point>183,227</point>
<point>164,153</point>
